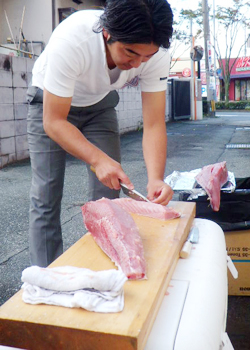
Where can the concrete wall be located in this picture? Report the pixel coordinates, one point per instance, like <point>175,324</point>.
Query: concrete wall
<point>129,109</point>
<point>15,73</point>
<point>37,24</point>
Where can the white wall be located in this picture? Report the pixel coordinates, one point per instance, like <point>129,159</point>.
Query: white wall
<point>37,24</point>
<point>37,18</point>
<point>1,21</point>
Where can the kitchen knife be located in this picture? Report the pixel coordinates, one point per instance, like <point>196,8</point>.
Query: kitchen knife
<point>193,237</point>
<point>130,193</point>
<point>133,193</point>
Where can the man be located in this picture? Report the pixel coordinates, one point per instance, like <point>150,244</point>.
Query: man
<point>72,108</point>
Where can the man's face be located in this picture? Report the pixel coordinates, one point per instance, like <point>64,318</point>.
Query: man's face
<point>127,56</point>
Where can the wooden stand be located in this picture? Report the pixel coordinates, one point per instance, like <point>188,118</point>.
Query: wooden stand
<point>52,327</point>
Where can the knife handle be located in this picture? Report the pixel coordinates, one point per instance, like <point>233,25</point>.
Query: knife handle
<point>92,168</point>
<point>186,250</point>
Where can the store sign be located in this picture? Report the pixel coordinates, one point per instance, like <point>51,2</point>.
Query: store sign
<point>186,72</point>
<point>209,48</point>
<point>243,64</point>
<point>204,91</point>
<point>212,83</point>
<point>203,78</point>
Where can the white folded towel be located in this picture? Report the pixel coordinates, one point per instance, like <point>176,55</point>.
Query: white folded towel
<point>99,291</point>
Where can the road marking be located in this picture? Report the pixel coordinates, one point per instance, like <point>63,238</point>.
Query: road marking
<point>238,145</point>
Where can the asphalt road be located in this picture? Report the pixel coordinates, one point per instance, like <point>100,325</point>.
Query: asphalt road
<point>191,145</point>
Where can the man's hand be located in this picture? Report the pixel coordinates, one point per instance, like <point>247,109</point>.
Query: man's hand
<point>159,192</point>
<point>110,173</point>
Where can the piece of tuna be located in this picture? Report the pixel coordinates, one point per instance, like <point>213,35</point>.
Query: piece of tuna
<point>153,210</point>
<point>116,233</point>
<point>211,178</point>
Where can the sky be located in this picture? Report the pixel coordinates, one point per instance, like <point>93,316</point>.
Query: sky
<point>193,5</point>
<point>185,4</point>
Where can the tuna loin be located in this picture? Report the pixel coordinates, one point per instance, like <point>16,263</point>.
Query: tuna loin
<point>212,178</point>
<point>115,231</point>
<point>153,210</point>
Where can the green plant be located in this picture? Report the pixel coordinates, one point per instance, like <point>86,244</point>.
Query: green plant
<point>232,105</point>
<point>220,105</point>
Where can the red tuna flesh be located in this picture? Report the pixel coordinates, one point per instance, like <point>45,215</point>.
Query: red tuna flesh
<point>153,210</point>
<point>116,233</point>
<point>212,178</point>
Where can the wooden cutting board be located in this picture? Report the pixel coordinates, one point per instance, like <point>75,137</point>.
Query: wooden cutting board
<point>52,327</point>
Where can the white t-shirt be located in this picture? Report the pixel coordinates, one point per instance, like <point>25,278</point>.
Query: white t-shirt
<point>74,64</point>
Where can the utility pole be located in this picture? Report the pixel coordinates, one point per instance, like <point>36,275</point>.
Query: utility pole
<point>193,76</point>
<point>207,46</point>
<point>215,63</point>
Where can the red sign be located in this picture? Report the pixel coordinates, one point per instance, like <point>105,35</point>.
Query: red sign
<point>243,63</point>
<point>203,78</point>
<point>186,72</point>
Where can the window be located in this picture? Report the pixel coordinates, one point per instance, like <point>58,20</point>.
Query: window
<point>65,12</point>
<point>242,89</point>
<point>237,90</point>
<point>248,90</point>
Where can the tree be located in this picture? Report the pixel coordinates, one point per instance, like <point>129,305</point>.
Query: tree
<point>229,20</point>
<point>180,38</point>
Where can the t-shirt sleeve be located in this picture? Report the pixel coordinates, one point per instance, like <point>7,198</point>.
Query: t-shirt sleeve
<point>155,73</point>
<point>64,64</point>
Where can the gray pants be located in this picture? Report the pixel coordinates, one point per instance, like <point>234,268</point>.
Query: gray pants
<point>99,125</point>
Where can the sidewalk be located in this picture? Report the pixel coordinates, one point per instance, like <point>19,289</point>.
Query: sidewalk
<point>191,145</point>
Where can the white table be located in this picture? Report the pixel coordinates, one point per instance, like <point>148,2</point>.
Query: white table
<point>194,310</point>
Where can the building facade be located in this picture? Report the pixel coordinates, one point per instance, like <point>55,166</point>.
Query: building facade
<point>182,68</point>
<point>239,89</point>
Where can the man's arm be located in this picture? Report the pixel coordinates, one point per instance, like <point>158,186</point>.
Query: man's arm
<point>155,145</point>
<point>56,126</point>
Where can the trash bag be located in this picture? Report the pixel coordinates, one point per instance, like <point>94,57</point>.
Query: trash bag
<point>234,213</point>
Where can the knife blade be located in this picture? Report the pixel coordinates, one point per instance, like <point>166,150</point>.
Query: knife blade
<point>133,193</point>
<point>193,237</point>
<point>130,193</point>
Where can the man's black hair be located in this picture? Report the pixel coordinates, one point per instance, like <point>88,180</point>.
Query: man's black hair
<point>137,22</point>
